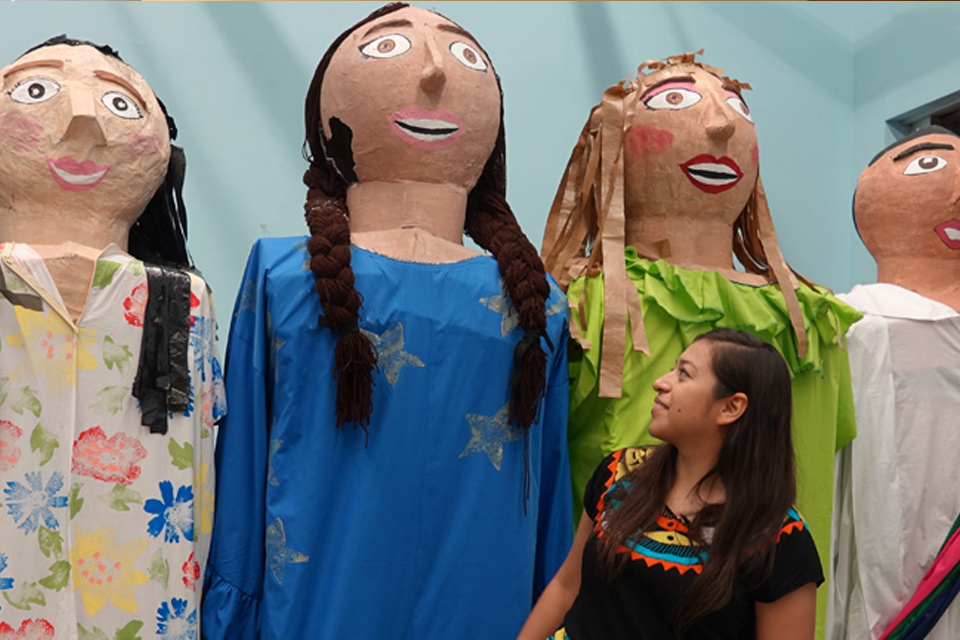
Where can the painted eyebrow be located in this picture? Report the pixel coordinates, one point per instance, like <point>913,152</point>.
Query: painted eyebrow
<point>733,89</point>
<point>923,146</point>
<point>399,22</point>
<point>109,77</point>
<point>686,363</point>
<point>452,28</point>
<point>56,64</point>
<point>668,81</point>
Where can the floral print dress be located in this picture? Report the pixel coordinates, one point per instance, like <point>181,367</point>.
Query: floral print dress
<point>104,527</point>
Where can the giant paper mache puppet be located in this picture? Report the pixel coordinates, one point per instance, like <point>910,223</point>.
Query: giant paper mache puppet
<point>662,190</point>
<point>898,496</point>
<point>443,517</point>
<point>109,379</point>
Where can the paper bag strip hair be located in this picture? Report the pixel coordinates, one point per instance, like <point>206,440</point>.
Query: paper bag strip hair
<point>587,220</point>
<point>489,221</point>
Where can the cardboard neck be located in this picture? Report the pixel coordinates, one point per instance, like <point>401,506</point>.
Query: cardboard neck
<point>71,266</point>
<point>413,221</point>
<point>42,226</point>
<point>934,278</point>
<point>439,209</point>
<point>691,243</point>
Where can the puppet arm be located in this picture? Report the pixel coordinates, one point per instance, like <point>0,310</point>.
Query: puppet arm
<point>233,587</point>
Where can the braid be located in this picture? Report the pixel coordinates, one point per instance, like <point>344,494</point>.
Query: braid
<point>354,356</point>
<point>491,224</point>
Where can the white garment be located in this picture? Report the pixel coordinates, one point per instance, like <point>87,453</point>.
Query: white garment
<point>104,526</point>
<point>898,483</point>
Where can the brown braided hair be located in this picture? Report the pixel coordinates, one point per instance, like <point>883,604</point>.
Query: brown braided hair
<point>489,221</point>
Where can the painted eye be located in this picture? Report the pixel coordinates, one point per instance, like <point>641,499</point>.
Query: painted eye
<point>738,105</point>
<point>468,56</point>
<point>121,105</point>
<point>673,98</point>
<point>389,46</point>
<point>34,90</point>
<point>925,164</point>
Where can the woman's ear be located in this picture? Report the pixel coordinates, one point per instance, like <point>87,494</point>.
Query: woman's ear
<point>732,407</point>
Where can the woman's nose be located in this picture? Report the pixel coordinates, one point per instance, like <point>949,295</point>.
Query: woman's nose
<point>660,384</point>
<point>83,122</point>
<point>720,123</point>
<point>432,78</point>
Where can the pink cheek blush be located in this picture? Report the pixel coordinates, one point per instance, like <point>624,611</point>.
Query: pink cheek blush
<point>23,132</point>
<point>755,154</point>
<point>142,146</point>
<point>644,140</point>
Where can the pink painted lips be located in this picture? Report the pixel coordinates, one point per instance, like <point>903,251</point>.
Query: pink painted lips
<point>949,233</point>
<point>425,129</point>
<point>713,175</point>
<point>76,176</point>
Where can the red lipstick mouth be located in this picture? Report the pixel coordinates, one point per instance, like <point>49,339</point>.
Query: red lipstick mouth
<point>710,174</point>
<point>949,233</point>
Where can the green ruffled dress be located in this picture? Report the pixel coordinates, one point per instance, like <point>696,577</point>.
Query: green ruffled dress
<point>680,304</point>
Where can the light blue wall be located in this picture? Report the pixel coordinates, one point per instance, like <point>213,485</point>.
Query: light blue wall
<point>825,76</point>
<point>906,63</point>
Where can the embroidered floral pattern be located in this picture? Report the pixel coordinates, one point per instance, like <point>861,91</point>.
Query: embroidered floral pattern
<point>174,515</point>
<point>191,573</point>
<point>136,305</point>
<point>32,502</point>
<point>29,630</point>
<point>174,623</point>
<point>9,452</point>
<point>112,459</point>
<point>103,570</point>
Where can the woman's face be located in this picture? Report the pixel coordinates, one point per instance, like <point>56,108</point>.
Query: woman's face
<point>81,131</point>
<point>419,97</point>
<point>690,147</point>
<point>685,410</point>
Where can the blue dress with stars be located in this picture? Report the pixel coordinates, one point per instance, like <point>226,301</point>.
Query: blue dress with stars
<point>424,533</point>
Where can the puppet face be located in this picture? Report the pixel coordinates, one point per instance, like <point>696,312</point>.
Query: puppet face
<point>419,97</point>
<point>908,201</point>
<point>690,148</point>
<point>79,131</point>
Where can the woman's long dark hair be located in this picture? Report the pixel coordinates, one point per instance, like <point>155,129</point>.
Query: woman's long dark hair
<point>755,467</point>
<point>489,221</point>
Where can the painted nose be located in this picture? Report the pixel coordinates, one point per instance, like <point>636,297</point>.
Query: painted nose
<point>721,125</point>
<point>432,78</point>
<point>83,119</point>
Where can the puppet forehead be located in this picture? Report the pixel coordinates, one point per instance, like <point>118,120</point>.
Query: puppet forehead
<point>928,139</point>
<point>408,18</point>
<point>654,72</point>
<point>81,61</point>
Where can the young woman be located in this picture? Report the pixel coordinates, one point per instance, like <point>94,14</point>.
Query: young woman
<point>695,538</point>
<point>647,243</point>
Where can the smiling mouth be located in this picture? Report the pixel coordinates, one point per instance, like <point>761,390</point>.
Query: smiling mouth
<point>73,175</point>
<point>949,233</point>
<point>426,129</point>
<point>710,174</point>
